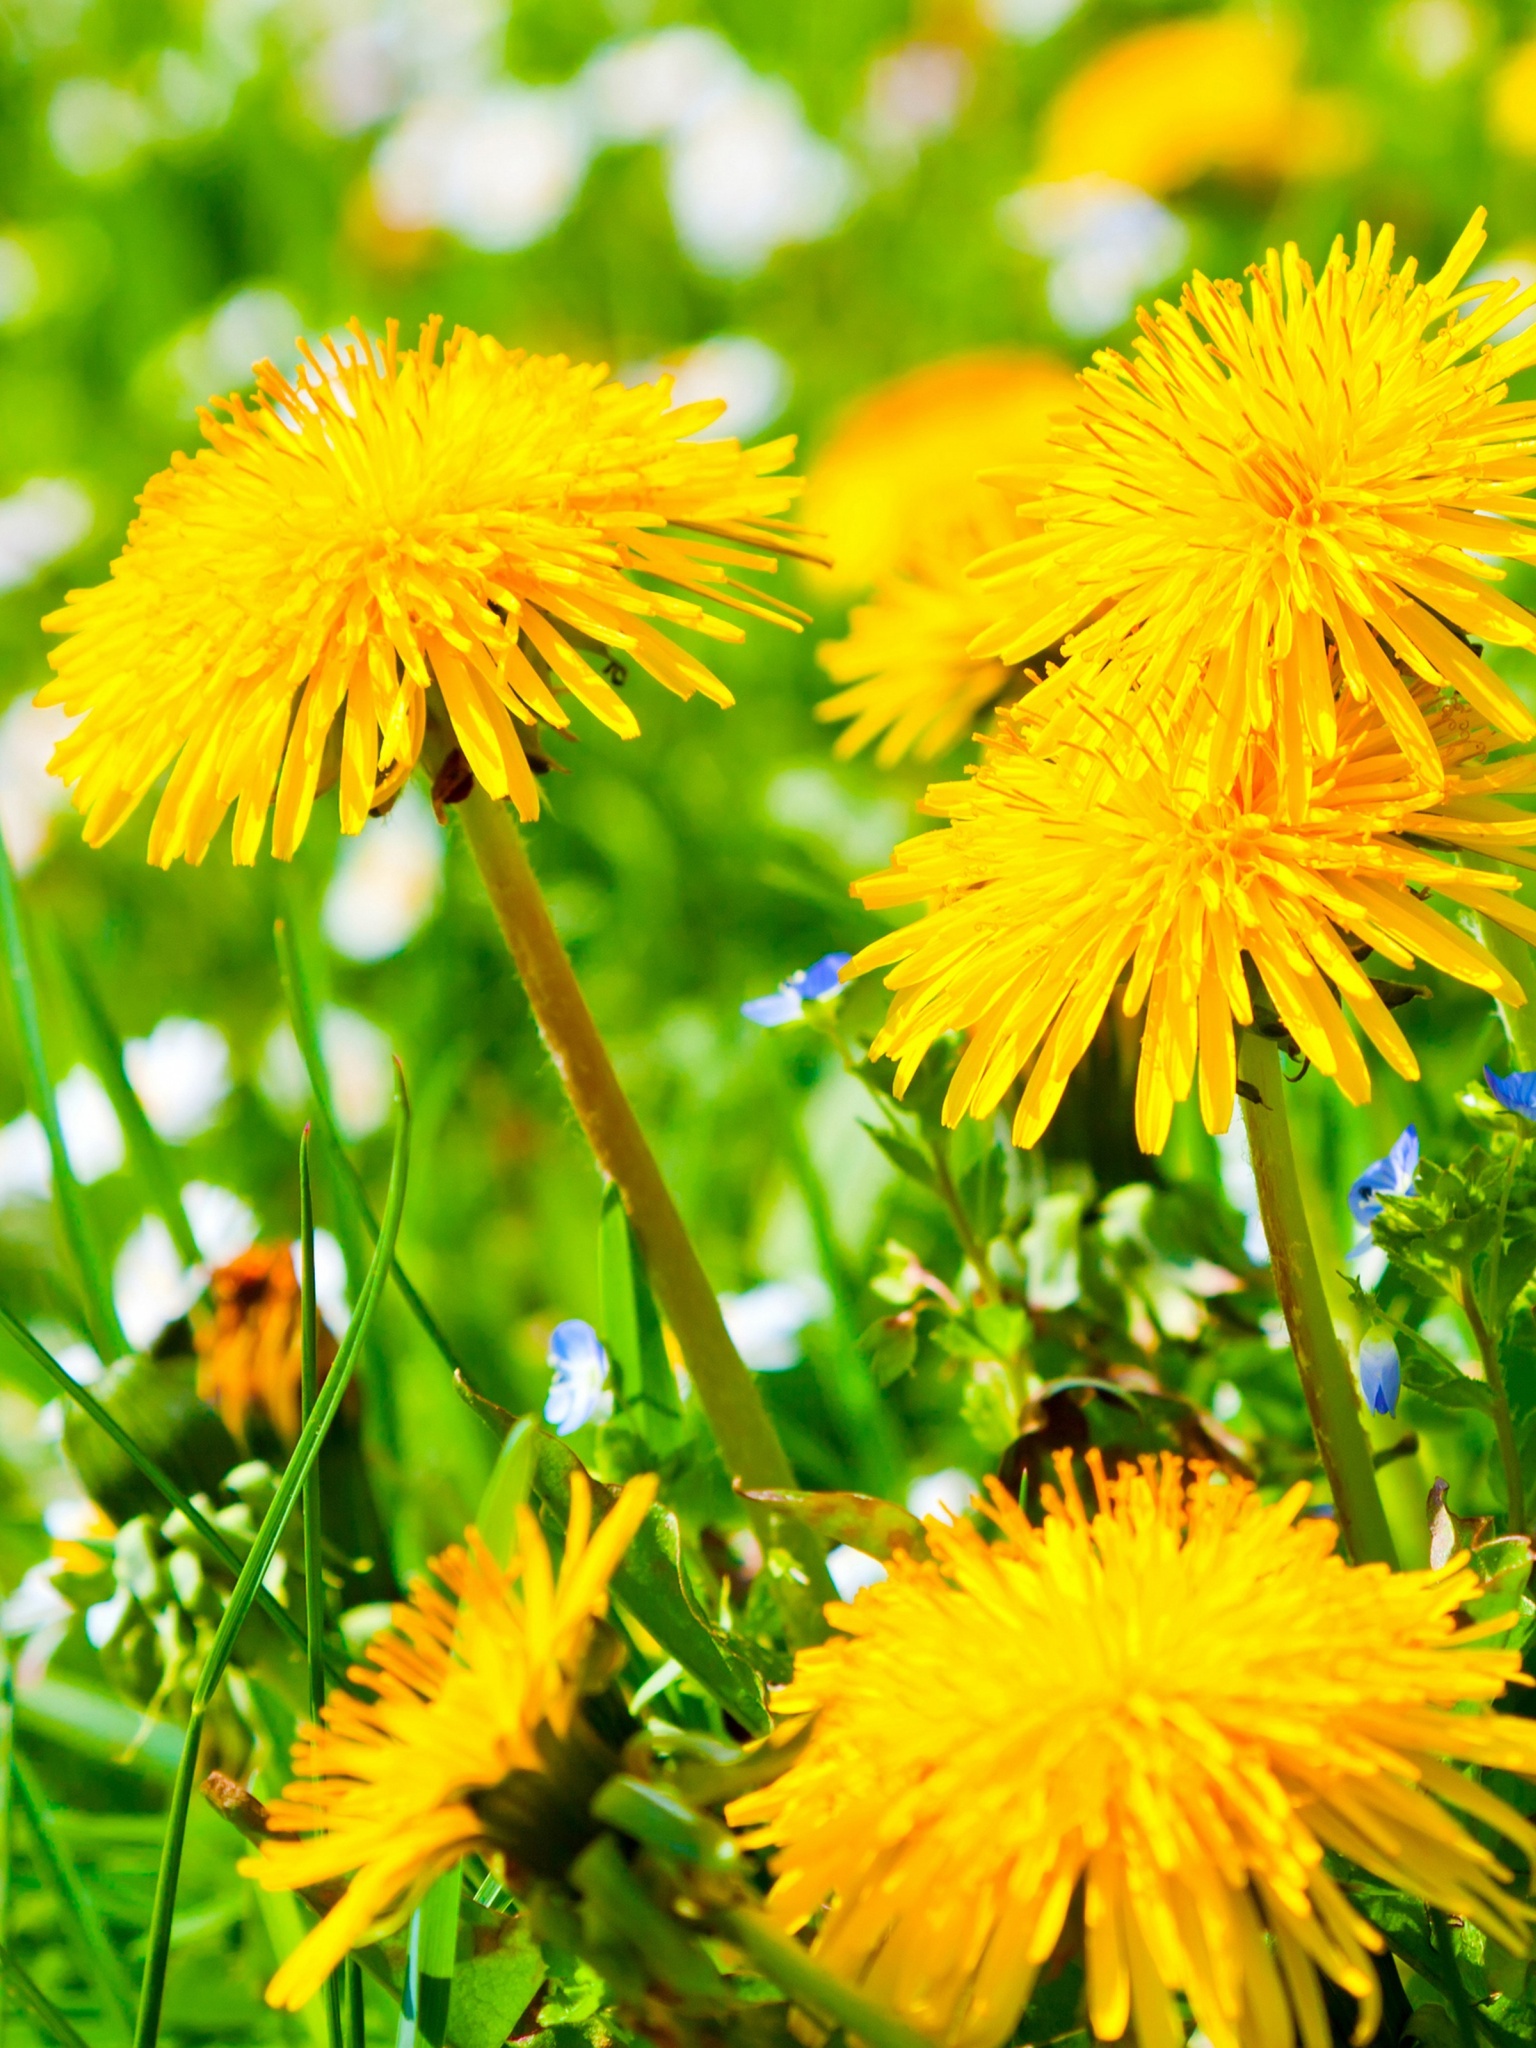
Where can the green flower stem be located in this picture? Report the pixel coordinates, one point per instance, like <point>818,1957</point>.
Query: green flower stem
<point>1326,1380</point>
<point>728,1392</point>
<point>1487,1343</point>
<point>106,1332</point>
<point>793,1968</point>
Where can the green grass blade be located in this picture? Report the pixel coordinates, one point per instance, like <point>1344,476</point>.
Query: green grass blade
<point>253,1571</point>
<point>147,1149</point>
<point>96,1296</point>
<point>7,1751</point>
<point>314,1579</point>
<point>42,2009</point>
<point>90,1938</point>
<point>356,2017</point>
<point>152,1985</point>
<point>105,1420</point>
<point>301,1012</point>
<point>434,1957</point>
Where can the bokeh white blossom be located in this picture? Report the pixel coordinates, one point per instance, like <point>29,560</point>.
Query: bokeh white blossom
<point>387,881</point>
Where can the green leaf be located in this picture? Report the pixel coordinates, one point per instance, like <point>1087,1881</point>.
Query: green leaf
<point>650,1580</point>
<point>631,1331</point>
<point>904,1156</point>
<point>651,1583</point>
<point>1428,1373</point>
<point>877,1527</point>
<point>890,1345</point>
<point>492,1987</point>
<point>508,1488</point>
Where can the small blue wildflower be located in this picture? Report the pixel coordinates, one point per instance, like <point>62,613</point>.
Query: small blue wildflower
<point>1381,1372</point>
<point>813,984</point>
<point>580,1393</point>
<point>1513,1091</point>
<point>1393,1175</point>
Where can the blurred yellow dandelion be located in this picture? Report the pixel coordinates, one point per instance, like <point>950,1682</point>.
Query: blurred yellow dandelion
<point>1067,875</point>
<point>385,525</point>
<point>1172,1707</point>
<point>467,1699</point>
<point>1174,102</point>
<point>1328,467</point>
<point>912,682</point>
<point>901,465</point>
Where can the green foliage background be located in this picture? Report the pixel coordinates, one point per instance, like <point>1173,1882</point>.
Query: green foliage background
<point>689,870</point>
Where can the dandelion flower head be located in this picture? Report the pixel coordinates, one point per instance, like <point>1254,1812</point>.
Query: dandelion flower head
<point>249,1352</point>
<point>1171,1705</point>
<point>1065,878</point>
<point>1274,499</point>
<point>467,1694</point>
<point>392,528</point>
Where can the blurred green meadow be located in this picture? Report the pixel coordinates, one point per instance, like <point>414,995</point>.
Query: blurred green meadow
<point>785,205</point>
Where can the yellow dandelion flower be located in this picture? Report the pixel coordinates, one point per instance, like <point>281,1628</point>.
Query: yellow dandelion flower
<point>912,682</point>
<point>901,465</point>
<point>1212,93</point>
<point>470,1700</point>
<point>249,1352</point>
<point>384,526</point>
<point>1066,875</point>
<point>1172,1708</point>
<point>1327,467</point>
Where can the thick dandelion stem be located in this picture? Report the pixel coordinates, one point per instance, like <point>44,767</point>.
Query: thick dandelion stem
<point>727,1391</point>
<point>1326,1380</point>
